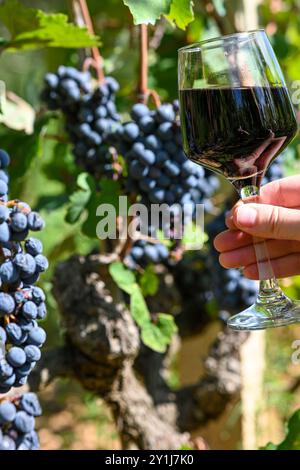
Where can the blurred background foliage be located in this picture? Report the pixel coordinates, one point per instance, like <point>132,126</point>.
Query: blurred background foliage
<point>44,174</point>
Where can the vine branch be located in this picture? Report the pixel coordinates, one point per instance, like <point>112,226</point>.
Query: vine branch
<point>143,75</point>
<point>144,93</point>
<point>83,17</point>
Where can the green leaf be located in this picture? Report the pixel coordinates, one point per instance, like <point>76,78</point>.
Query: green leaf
<point>154,335</point>
<point>147,11</point>
<point>61,165</point>
<point>124,278</point>
<point>270,446</point>
<point>80,198</point>
<point>167,326</point>
<point>292,439</point>
<point>151,337</point>
<point>181,13</point>
<point>109,194</point>
<point>157,336</point>
<point>193,237</point>
<point>52,202</point>
<point>186,447</point>
<point>78,203</point>
<point>138,308</point>
<point>85,182</point>
<point>22,147</point>
<point>33,28</point>
<point>149,281</point>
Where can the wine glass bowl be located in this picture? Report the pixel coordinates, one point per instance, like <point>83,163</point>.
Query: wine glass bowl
<point>236,117</point>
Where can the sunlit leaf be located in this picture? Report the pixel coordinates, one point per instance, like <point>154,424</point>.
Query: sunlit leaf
<point>123,277</point>
<point>158,336</point>
<point>149,281</point>
<point>147,11</point>
<point>181,13</point>
<point>32,28</point>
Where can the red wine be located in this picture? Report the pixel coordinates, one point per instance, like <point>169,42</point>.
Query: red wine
<point>236,131</point>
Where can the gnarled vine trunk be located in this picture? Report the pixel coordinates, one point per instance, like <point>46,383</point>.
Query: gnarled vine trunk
<point>103,352</point>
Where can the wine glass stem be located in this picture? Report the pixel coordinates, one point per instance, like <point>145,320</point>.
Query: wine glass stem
<point>269,290</point>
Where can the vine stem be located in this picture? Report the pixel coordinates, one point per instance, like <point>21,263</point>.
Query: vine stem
<point>96,61</point>
<point>143,72</point>
<point>143,91</point>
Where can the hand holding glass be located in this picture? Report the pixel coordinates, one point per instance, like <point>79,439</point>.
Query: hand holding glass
<point>236,117</point>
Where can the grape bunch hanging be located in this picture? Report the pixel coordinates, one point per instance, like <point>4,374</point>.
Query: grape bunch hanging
<point>158,169</point>
<point>90,117</point>
<point>22,303</point>
<point>159,172</point>
<point>17,422</point>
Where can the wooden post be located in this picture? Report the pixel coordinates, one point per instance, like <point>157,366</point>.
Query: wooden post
<point>252,394</point>
<point>253,350</point>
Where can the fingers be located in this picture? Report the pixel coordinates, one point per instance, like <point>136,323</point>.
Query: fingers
<point>283,192</point>
<point>245,256</point>
<point>276,218</point>
<point>285,266</point>
<point>231,240</point>
<point>266,221</point>
<point>229,216</point>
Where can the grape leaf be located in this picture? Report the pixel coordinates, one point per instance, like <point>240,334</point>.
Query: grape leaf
<point>32,28</point>
<point>292,439</point>
<point>109,194</point>
<point>124,278</point>
<point>147,11</point>
<point>149,281</point>
<point>151,337</point>
<point>80,198</point>
<point>78,202</point>
<point>85,182</point>
<point>167,326</point>
<point>22,147</point>
<point>52,202</point>
<point>138,308</point>
<point>61,165</point>
<point>181,13</point>
<point>158,335</point>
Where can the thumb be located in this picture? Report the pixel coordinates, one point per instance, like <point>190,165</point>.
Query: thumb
<point>267,221</point>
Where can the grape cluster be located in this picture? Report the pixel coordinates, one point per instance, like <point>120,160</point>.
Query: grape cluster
<point>193,279</point>
<point>233,291</point>
<point>158,169</point>
<point>21,302</point>
<point>143,253</point>
<point>91,116</point>
<point>17,423</point>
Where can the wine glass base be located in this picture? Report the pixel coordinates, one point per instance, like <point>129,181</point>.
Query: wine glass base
<point>260,317</point>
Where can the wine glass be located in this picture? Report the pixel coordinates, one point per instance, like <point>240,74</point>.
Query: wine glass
<point>236,117</point>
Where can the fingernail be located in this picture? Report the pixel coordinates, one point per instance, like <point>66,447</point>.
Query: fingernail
<point>246,216</point>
